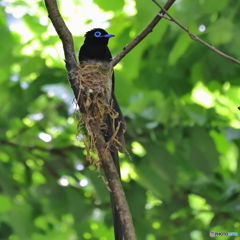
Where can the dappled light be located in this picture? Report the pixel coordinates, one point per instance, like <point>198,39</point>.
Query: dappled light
<point>202,96</point>
<point>45,137</point>
<point>63,181</point>
<point>181,171</point>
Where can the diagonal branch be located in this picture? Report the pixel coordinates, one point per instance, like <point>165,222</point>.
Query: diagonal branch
<point>194,37</point>
<point>142,35</point>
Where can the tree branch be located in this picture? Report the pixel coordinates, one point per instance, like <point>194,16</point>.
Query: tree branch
<point>115,185</point>
<point>194,37</point>
<point>142,35</point>
<point>107,162</point>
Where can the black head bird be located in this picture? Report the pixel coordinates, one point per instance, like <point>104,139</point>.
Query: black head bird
<point>93,50</point>
<point>95,46</point>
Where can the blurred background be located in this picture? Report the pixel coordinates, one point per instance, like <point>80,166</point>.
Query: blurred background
<point>180,101</point>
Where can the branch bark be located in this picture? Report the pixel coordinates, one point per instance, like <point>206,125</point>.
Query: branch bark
<point>193,36</point>
<point>107,162</point>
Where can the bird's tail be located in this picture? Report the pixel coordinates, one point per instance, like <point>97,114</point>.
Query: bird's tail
<point>116,217</point>
<point>112,124</point>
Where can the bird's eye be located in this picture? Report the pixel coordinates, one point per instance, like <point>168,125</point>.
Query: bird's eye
<point>97,34</point>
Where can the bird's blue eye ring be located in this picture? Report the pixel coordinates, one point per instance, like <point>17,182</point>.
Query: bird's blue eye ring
<point>97,34</point>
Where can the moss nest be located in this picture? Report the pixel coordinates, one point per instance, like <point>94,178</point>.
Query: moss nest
<point>94,96</point>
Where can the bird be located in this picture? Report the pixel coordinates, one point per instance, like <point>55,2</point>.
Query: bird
<point>95,50</point>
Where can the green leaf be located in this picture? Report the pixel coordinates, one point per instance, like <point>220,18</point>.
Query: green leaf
<point>5,204</point>
<point>220,31</point>
<point>163,163</point>
<point>208,5</point>
<point>134,191</point>
<point>21,220</point>
<point>148,177</point>
<point>110,5</point>
<point>203,153</point>
<point>179,48</point>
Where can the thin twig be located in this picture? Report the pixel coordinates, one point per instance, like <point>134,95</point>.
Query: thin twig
<point>142,35</point>
<point>193,36</point>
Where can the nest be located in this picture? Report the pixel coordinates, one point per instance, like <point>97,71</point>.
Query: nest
<point>94,96</point>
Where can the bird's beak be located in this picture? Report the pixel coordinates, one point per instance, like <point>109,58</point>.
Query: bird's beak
<point>108,35</point>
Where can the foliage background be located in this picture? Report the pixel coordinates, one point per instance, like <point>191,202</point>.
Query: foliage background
<point>180,101</point>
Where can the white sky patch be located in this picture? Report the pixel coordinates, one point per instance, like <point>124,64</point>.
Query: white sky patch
<point>3,3</point>
<point>97,214</point>
<point>24,85</point>
<point>16,24</point>
<point>27,50</point>
<point>31,47</point>
<point>86,10</point>
<point>43,20</point>
<point>79,167</point>
<point>64,95</point>
<point>201,28</point>
<point>51,93</point>
<point>18,11</point>
<point>76,107</point>
<point>80,136</point>
<point>74,15</point>
<point>36,116</point>
<point>50,51</point>
<point>14,77</point>
<point>83,182</point>
<point>130,7</point>
<point>45,137</point>
<point>202,96</point>
<point>63,181</point>
<point>56,52</point>
<point>20,28</point>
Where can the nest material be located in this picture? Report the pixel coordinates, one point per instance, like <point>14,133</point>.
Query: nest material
<point>95,86</point>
